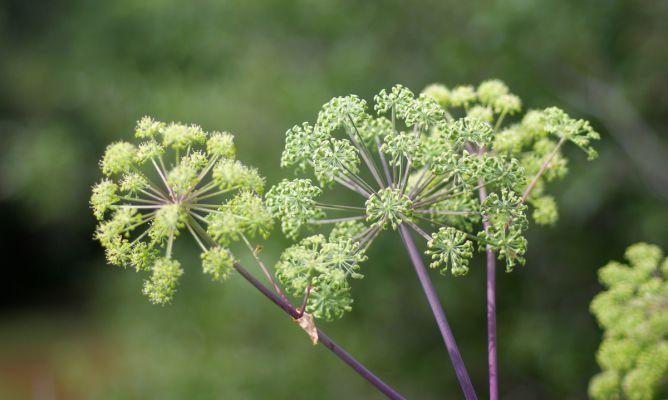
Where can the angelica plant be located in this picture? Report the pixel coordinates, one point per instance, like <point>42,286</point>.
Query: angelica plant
<point>437,164</point>
<point>633,313</point>
<point>181,179</point>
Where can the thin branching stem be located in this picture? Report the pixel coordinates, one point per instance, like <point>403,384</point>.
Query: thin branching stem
<point>439,315</point>
<point>328,206</point>
<point>366,156</point>
<point>162,177</point>
<point>337,220</point>
<point>383,162</point>
<point>543,167</point>
<point>343,181</point>
<point>445,212</point>
<point>323,339</point>
<point>264,269</point>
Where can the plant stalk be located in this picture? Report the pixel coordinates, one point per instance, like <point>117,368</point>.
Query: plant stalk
<point>322,337</point>
<point>439,315</point>
<point>491,309</point>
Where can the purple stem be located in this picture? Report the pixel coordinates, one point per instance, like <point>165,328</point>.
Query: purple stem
<point>491,310</point>
<point>439,315</point>
<point>322,337</point>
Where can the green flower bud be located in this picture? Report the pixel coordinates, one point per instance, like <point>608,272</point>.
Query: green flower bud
<point>470,130</point>
<point>119,157</point>
<point>133,182</point>
<point>148,128</point>
<point>388,205</point>
<point>605,386</point>
<point>618,354</point>
<point>180,136</point>
<point>373,128</point>
<point>335,159</point>
<point>168,221</point>
<point>293,202</point>
<point>324,266</point>
<point>643,256</point>
<point>148,151</point>
<point>545,210</point>
<point>221,144</point>
<point>160,289</point>
<point>118,251</point>
<point>438,92</point>
<point>300,144</point>
<point>423,113</point>
<point>218,262</point>
<point>402,144</point>
<point>197,159</point>
<point>481,113</point>
<point>489,91</point>
<point>182,178</point>
<point>508,222</point>
<point>143,256</point>
<point>632,314</point>
<point>449,248</point>
<point>232,174</point>
<point>400,100</point>
<point>579,132</point>
<point>507,104</point>
<point>244,214</point>
<point>462,96</point>
<point>104,196</point>
<point>346,111</point>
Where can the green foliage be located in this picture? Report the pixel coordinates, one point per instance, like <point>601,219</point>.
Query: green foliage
<point>632,312</point>
<point>156,191</point>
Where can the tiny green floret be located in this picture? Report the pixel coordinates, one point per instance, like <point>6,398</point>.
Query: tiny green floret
<point>449,248</point>
<point>294,203</point>
<point>119,157</point>
<point>388,206</point>
<point>160,289</point>
<point>218,262</point>
<point>181,136</point>
<point>104,197</point>
<point>148,128</point>
<point>221,144</point>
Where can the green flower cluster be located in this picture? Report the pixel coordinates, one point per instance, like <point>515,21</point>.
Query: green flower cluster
<point>421,166</point>
<point>321,268</point>
<point>177,178</point>
<point>441,162</point>
<point>633,312</point>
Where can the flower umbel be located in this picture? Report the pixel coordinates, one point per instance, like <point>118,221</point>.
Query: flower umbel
<point>179,178</point>
<point>413,164</point>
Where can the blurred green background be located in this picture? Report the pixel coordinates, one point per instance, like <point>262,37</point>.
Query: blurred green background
<point>77,74</point>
